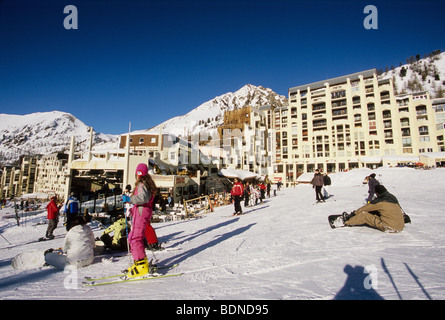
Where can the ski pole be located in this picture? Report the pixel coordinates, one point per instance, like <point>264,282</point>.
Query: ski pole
<point>126,233</point>
<point>5,239</point>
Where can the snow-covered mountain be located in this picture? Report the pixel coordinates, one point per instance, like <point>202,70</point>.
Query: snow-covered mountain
<point>426,74</point>
<point>43,133</point>
<point>210,114</point>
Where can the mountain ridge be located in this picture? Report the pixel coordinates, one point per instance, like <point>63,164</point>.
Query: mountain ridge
<point>47,132</point>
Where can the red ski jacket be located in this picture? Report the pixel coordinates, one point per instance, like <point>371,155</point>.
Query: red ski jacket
<point>237,189</point>
<point>52,210</point>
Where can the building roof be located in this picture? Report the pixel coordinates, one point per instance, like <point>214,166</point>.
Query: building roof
<point>334,81</point>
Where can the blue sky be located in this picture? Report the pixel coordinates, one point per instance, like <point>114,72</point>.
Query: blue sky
<point>144,61</point>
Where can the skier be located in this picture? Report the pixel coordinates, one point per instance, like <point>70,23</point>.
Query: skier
<point>142,199</point>
<point>317,183</point>
<point>237,192</point>
<point>372,183</point>
<point>77,249</point>
<point>53,217</point>
<point>119,240</point>
<point>71,210</point>
<point>151,238</point>
<point>383,213</point>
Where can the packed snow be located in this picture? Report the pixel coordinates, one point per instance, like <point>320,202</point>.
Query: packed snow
<point>281,249</point>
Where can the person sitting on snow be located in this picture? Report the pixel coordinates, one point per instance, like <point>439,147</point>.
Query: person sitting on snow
<point>77,249</point>
<point>119,240</point>
<point>383,213</point>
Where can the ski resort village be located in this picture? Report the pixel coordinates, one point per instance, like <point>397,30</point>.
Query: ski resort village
<point>273,241</point>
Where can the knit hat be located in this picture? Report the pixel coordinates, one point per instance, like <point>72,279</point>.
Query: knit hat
<point>380,189</point>
<point>372,175</point>
<point>141,170</point>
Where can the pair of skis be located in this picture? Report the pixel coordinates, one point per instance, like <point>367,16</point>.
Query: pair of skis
<point>121,278</point>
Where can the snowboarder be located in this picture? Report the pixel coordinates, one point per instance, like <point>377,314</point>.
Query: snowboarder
<point>119,240</point>
<point>237,192</point>
<point>142,199</point>
<point>77,249</point>
<point>71,210</point>
<point>383,213</point>
<point>53,217</point>
<point>317,183</point>
<point>372,183</point>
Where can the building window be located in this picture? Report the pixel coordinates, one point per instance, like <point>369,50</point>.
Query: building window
<point>423,130</point>
<point>404,122</point>
<point>406,142</point>
<point>406,132</point>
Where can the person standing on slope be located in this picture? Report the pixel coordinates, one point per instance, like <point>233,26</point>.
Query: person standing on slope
<point>317,183</point>
<point>372,183</point>
<point>237,193</point>
<point>142,199</point>
<point>71,210</point>
<point>53,217</point>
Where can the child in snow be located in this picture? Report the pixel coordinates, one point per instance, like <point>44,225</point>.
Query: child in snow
<point>126,200</point>
<point>119,240</point>
<point>77,249</point>
<point>142,199</point>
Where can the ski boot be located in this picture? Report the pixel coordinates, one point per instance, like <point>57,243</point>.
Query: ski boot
<point>154,246</point>
<point>346,216</point>
<point>138,269</point>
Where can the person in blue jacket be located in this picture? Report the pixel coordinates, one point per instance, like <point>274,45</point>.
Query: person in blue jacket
<point>71,210</point>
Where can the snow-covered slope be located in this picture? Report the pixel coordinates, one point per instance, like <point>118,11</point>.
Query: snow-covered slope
<point>283,249</point>
<point>427,74</point>
<point>42,133</point>
<point>210,114</point>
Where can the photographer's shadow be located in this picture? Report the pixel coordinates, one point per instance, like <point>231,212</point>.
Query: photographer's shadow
<point>355,286</point>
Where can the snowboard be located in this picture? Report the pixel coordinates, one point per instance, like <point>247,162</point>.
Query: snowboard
<point>336,221</point>
<point>406,218</point>
<point>29,260</point>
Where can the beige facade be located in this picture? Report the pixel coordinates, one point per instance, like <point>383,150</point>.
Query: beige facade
<point>52,172</point>
<point>349,122</point>
<point>247,139</point>
<point>17,181</point>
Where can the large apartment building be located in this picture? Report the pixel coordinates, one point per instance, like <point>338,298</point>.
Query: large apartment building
<point>16,181</point>
<point>353,121</point>
<point>52,172</point>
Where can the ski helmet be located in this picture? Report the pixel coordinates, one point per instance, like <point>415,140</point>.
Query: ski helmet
<point>141,170</point>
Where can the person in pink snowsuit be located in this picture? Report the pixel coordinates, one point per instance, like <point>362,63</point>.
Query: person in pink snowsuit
<point>142,199</point>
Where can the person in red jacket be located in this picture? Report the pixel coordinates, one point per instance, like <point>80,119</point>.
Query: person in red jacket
<point>263,191</point>
<point>237,194</point>
<point>53,217</point>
